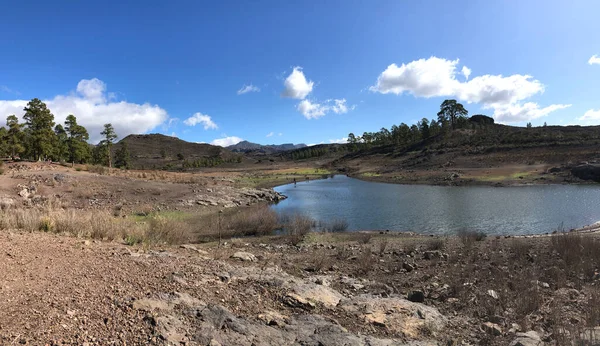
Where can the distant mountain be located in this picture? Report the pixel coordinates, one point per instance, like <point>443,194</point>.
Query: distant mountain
<point>247,147</point>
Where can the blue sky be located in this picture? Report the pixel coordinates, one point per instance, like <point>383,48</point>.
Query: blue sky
<point>315,71</point>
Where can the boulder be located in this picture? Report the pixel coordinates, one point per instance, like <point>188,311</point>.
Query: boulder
<point>531,338</point>
<point>244,256</point>
<point>399,316</point>
<point>416,296</point>
<point>492,328</point>
<point>587,172</point>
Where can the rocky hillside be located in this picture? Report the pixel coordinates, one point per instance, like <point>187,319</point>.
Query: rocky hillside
<point>157,151</point>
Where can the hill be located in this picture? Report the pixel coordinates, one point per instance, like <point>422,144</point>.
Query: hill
<point>157,151</point>
<point>255,148</point>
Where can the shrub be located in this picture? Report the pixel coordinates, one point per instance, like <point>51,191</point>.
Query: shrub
<point>435,244</point>
<point>338,226</point>
<point>163,230</point>
<point>1,167</point>
<point>297,226</point>
<point>47,224</point>
<point>98,169</point>
<point>468,237</point>
<point>255,221</point>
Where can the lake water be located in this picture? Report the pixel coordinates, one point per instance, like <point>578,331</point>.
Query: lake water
<point>443,209</point>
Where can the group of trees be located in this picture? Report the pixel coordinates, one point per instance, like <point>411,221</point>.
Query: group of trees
<point>39,138</point>
<point>452,115</point>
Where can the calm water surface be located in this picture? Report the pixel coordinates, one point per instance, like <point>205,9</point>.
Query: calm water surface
<point>440,209</point>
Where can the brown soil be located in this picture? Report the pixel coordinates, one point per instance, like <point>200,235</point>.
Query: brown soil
<point>63,290</point>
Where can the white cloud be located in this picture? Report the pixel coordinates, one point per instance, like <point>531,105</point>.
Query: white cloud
<point>514,112</point>
<point>436,77</point>
<point>247,89</point>
<point>227,141</point>
<point>315,110</point>
<point>296,85</point>
<point>594,60</point>
<point>591,115</point>
<point>280,134</point>
<point>199,118</point>
<point>339,141</point>
<point>270,134</point>
<point>466,72</point>
<point>90,104</point>
<point>311,110</point>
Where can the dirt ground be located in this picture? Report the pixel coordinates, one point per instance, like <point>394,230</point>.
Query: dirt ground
<point>331,289</point>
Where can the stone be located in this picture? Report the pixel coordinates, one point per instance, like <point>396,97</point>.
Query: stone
<point>193,248</point>
<point>321,294</point>
<point>408,267</point>
<point>244,256</point>
<point>531,338</point>
<point>416,296</point>
<point>492,294</point>
<point>492,328</point>
<point>150,305</point>
<point>399,316</point>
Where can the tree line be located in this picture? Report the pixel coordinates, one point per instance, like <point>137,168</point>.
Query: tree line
<point>452,115</point>
<point>38,138</point>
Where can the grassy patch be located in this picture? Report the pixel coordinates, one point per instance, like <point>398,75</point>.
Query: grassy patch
<point>371,174</point>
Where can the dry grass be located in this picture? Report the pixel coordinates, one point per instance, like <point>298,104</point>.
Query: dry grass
<point>100,225</point>
<point>297,227</point>
<point>580,253</point>
<point>468,237</point>
<point>254,221</point>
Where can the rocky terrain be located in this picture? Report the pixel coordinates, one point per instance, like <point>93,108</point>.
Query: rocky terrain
<point>37,184</point>
<point>346,289</point>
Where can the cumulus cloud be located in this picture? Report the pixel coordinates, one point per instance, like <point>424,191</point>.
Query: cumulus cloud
<point>248,89</point>
<point>594,60</point>
<point>270,134</point>
<point>203,119</point>
<point>315,110</point>
<point>296,86</point>
<point>466,72</point>
<point>226,141</point>
<point>339,141</point>
<point>436,77</point>
<point>93,107</point>
<point>590,115</point>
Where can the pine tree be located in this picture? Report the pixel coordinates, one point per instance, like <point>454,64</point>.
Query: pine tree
<point>14,137</point>
<point>61,149</point>
<point>39,121</point>
<point>108,141</point>
<point>79,150</point>
<point>122,157</point>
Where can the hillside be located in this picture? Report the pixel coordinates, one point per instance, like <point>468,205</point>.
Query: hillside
<point>492,153</point>
<point>157,151</point>
<point>255,148</point>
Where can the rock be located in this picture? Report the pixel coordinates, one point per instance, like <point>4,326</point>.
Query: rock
<point>150,305</point>
<point>6,203</point>
<point>24,193</point>
<point>587,172</point>
<point>297,301</point>
<point>244,256</point>
<point>314,293</point>
<point>399,316</point>
<point>272,318</point>
<point>193,248</point>
<point>492,328</point>
<point>434,254</point>
<point>531,338</point>
<point>408,267</point>
<point>492,294</point>
<point>416,296</point>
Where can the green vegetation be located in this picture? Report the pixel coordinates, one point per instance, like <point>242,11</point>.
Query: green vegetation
<point>39,138</point>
